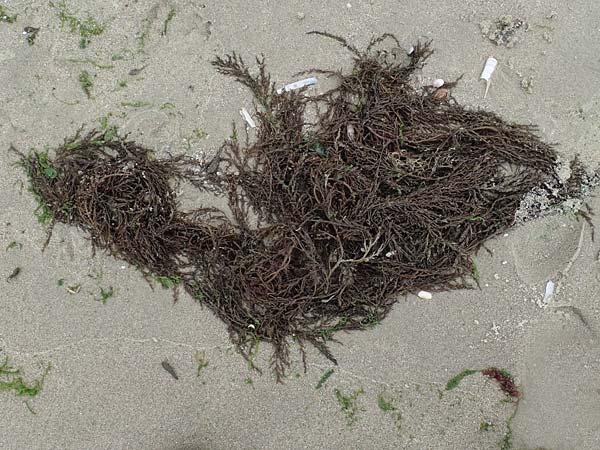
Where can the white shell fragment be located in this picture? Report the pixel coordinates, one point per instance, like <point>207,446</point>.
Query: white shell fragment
<point>425,295</point>
<point>297,85</point>
<point>437,83</point>
<point>247,117</point>
<point>549,291</point>
<point>488,70</point>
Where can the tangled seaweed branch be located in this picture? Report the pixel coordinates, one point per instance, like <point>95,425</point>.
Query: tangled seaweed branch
<point>391,191</point>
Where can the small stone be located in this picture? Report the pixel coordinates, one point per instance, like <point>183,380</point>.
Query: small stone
<point>301,16</point>
<point>437,83</point>
<point>425,295</point>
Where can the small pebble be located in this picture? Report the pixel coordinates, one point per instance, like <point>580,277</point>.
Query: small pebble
<point>300,16</point>
<point>438,83</point>
<point>504,263</point>
<point>425,295</point>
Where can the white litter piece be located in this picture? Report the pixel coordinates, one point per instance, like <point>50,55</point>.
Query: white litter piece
<point>486,74</point>
<point>425,295</point>
<point>410,50</point>
<point>298,85</point>
<point>247,117</point>
<point>549,291</point>
<point>438,83</point>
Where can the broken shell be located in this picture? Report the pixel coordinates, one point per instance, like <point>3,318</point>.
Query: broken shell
<point>441,94</point>
<point>438,83</point>
<point>350,131</point>
<point>73,289</point>
<point>425,295</point>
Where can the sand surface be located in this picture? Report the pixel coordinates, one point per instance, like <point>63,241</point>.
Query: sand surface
<point>106,388</point>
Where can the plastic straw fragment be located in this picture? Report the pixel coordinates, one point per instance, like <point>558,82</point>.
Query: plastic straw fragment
<point>297,85</point>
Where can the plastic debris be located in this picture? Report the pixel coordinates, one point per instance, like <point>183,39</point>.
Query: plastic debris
<point>549,291</point>
<point>486,74</point>
<point>425,295</point>
<point>297,85</point>
<point>438,83</point>
<point>248,118</point>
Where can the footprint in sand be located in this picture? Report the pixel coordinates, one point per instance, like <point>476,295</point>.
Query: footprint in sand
<point>544,247</point>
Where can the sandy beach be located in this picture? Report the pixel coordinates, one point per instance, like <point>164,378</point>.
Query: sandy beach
<point>104,332</point>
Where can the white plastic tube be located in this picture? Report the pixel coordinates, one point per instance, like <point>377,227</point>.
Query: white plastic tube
<point>248,118</point>
<point>298,85</point>
<point>486,74</point>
